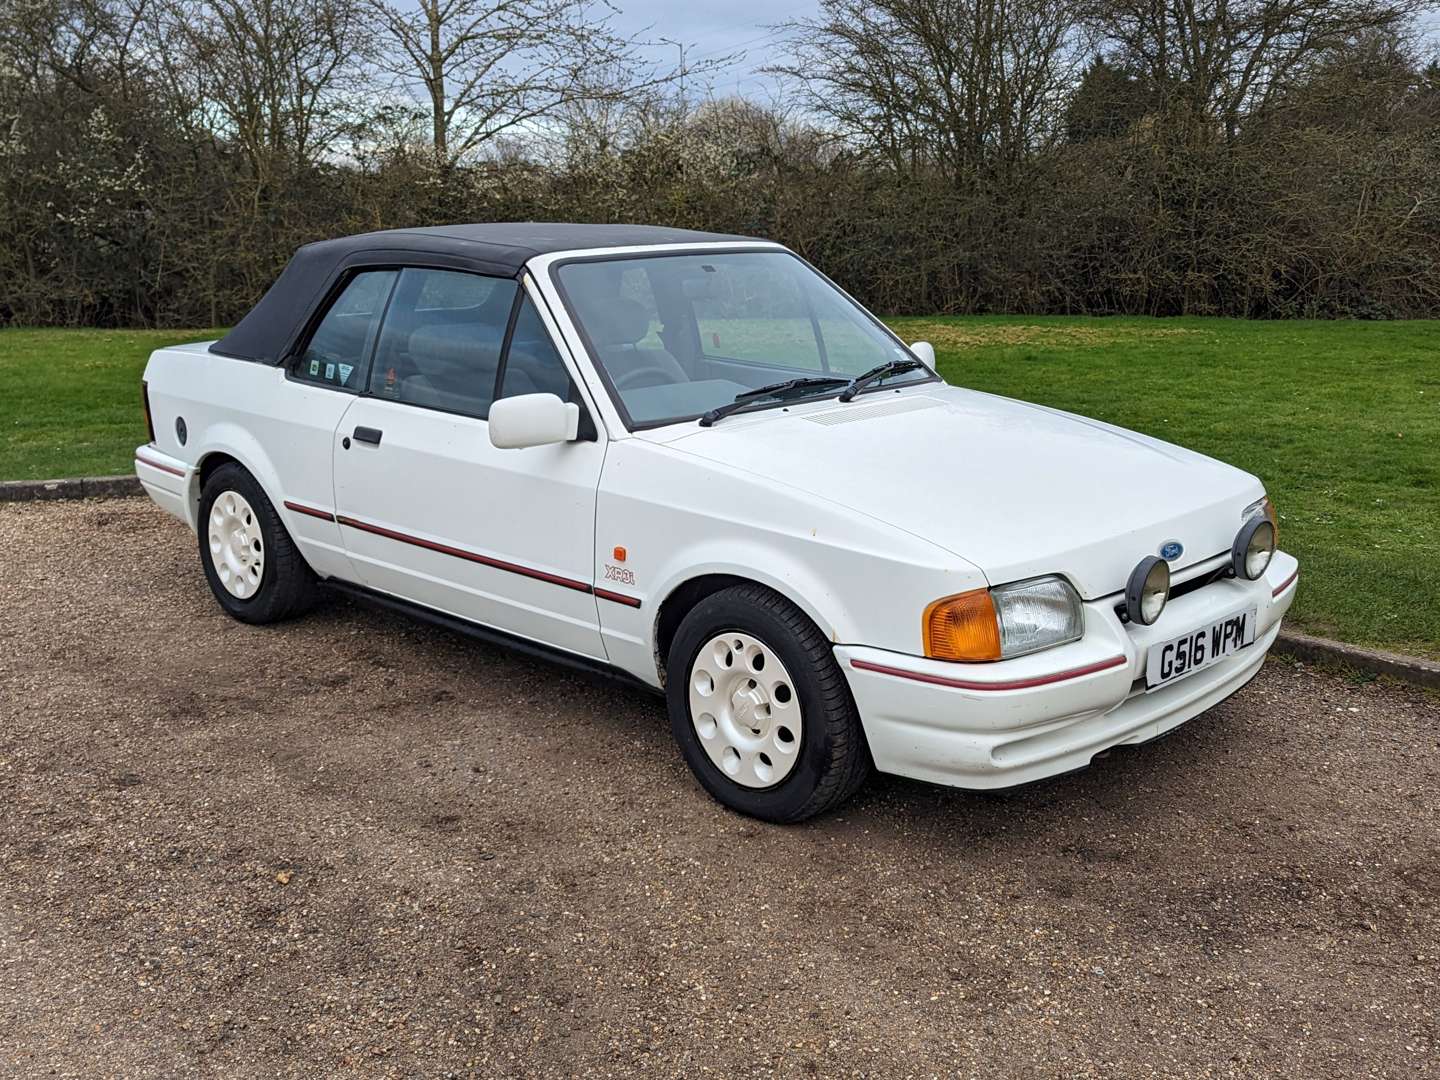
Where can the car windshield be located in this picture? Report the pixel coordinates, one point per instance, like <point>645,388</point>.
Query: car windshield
<point>680,335</point>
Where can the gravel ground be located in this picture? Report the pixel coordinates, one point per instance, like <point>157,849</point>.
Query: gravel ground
<point>356,845</point>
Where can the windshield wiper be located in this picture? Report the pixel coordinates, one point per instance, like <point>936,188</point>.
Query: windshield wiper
<point>879,371</point>
<point>746,397</point>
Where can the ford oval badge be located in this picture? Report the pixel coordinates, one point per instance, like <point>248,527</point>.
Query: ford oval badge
<point>1171,550</point>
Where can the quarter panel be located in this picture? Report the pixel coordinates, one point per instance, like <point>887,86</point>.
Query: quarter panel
<point>679,517</point>
<point>280,430</point>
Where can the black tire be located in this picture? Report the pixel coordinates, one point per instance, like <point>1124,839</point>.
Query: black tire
<point>834,760</point>
<point>288,587</point>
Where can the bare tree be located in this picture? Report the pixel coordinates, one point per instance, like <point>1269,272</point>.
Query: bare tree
<point>483,68</point>
<point>161,159</point>
<point>277,78</point>
<point>1221,60</point>
<point>961,85</point>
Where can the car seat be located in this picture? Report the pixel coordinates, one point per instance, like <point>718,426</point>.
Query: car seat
<point>616,330</point>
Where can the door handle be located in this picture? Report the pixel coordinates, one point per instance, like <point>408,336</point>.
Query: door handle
<point>369,435</point>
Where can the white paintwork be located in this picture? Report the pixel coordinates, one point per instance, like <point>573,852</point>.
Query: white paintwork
<point>280,429</point>
<point>436,476</point>
<point>743,707</point>
<point>526,420</point>
<point>924,350</point>
<point>1016,489</point>
<point>862,514</point>
<point>998,738</point>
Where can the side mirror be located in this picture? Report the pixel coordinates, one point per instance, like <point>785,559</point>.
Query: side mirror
<point>532,420</point>
<point>924,351</point>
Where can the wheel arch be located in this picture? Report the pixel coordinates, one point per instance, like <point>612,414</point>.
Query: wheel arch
<point>205,466</point>
<point>212,461</point>
<point>228,443</point>
<point>238,447</point>
<point>682,597</point>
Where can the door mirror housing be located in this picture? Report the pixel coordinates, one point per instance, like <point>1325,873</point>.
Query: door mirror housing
<point>532,420</point>
<point>924,351</point>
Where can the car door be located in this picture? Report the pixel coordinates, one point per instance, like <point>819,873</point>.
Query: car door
<point>429,510</point>
<point>300,419</point>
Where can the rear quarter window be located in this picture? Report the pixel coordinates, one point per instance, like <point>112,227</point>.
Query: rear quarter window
<point>337,352</point>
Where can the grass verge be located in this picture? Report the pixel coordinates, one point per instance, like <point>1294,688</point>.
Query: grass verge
<point>70,399</point>
<point>1341,420</point>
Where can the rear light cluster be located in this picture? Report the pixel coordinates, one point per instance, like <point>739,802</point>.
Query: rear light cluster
<point>145,400</point>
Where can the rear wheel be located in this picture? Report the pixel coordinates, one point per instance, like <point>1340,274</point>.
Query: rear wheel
<point>760,708</point>
<point>251,563</point>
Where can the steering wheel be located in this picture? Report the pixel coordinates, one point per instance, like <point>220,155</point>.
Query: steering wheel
<point>646,375</point>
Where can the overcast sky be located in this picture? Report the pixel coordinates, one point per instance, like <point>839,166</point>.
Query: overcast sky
<point>710,30</point>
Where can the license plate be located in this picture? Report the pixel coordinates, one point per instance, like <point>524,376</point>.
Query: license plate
<point>1188,653</point>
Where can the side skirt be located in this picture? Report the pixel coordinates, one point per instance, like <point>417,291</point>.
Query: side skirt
<point>597,669</point>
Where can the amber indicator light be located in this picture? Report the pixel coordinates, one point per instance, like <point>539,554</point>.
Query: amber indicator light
<point>962,627</point>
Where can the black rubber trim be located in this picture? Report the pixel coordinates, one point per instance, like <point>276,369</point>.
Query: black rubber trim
<point>1242,544</point>
<point>597,668</point>
<point>1135,587</point>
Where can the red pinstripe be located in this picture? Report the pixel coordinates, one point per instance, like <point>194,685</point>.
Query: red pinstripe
<point>971,684</point>
<point>618,598</point>
<point>469,556</point>
<point>301,508</point>
<point>1286,583</point>
<point>156,465</point>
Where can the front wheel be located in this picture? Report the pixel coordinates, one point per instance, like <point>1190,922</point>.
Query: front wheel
<point>250,561</point>
<point>760,708</point>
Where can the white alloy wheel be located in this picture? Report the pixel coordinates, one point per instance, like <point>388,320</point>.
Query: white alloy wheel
<point>237,548</point>
<point>744,708</point>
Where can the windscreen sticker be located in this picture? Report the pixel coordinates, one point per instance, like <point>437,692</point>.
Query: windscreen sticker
<point>345,370</point>
<point>329,372</point>
<point>314,367</point>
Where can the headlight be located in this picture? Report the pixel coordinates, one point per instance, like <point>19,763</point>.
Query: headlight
<point>1147,590</point>
<point>1006,621</point>
<point>1253,549</point>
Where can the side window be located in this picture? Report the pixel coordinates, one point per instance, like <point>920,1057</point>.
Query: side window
<point>533,365</point>
<point>441,342</point>
<point>335,355</point>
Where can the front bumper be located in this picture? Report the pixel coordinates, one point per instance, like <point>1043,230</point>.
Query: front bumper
<point>1001,724</point>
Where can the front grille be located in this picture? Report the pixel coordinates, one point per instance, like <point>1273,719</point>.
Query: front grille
<point>1201,581</point>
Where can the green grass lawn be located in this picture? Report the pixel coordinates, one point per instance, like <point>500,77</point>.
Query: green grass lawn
<point>70,399</point>
<point>1341,420</point>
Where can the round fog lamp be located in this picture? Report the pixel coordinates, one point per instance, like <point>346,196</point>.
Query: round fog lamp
<point>1254,548</point>
<point>1147,590</point>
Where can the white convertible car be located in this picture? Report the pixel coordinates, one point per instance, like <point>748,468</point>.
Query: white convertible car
<point>693,461</point>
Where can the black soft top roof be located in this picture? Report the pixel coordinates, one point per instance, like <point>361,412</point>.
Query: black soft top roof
<point>275,324</point>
